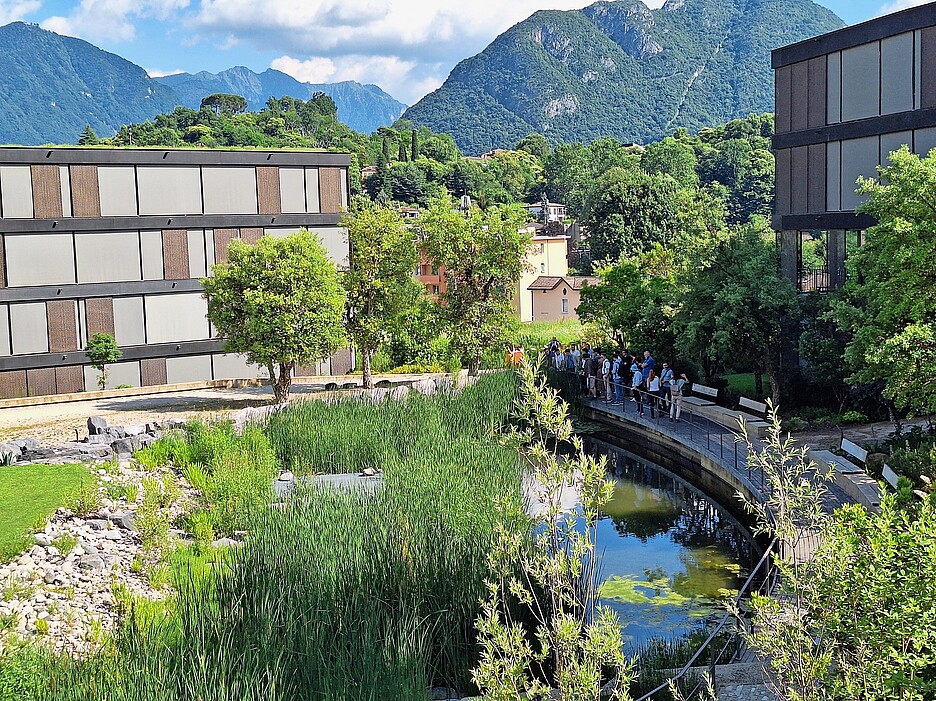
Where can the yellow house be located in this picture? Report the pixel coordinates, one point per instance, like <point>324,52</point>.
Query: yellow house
<point>548,256</point>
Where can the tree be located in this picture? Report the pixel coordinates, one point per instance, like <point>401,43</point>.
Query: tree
<point>483,256</point>
<point>414,145</point>
<point>379,280</point>
<point>224,103</point>
<point>735,307</point>
<point>889,300</point>
<point>535,144</point>
<point>673,157</point>
<point>88,137</point>
<point>279,302</point>
<point>628,211</point>
<point>101,350</point>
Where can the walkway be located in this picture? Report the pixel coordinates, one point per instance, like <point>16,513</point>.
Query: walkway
<point>713,440</point>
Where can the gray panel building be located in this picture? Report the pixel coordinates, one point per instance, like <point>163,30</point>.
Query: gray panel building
<point>844,101</point>
<point>116,240</point>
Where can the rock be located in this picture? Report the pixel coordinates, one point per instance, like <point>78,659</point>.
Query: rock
<point>24,444</point>
<point>42,539</point>
<point>134,430</point>
<point>113,534</point>
<point>96,524</point>
<point>96,425</point>
<point>225,543</point>
<point>8,454</point>
<point>127,445</point>
<point>368,472</point>
<point>91,562</point>
<point>286,476</point>
<point>875,461</point>
<point>425,386</point>
<point>88,548</point>
<point>122,520</point>
<point>49,577</point>
<point>399,392</point>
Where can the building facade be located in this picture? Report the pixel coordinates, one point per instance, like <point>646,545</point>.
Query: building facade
<point>116,241</point>
<point>844,101</point>
<point>548,256</point>
<point>557,298</point>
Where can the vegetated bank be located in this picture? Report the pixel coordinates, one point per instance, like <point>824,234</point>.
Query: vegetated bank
<point>333,595</point>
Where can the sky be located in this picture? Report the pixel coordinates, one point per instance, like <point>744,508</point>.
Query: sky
<point>407,47</point>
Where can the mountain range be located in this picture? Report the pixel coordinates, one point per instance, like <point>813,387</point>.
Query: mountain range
<point>51,86</point>
<point>617,68</point>
<point>362,107</point>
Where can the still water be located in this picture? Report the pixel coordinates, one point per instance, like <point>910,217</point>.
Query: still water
<point>669,555</point>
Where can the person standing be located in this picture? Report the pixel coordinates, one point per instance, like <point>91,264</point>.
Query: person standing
<point>676,395</point>
<point>666,379</point>
<point>647,365</point>
<point>653,392</point>
<point>615,381</point>
<point>637,386</point>
<point>606,377</point>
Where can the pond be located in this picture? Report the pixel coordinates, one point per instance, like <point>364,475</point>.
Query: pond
<point>670,555</point>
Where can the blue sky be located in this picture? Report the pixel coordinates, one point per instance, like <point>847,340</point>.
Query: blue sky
<point>407,47</point>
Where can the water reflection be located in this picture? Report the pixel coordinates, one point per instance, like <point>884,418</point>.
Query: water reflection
<point>670,555</point>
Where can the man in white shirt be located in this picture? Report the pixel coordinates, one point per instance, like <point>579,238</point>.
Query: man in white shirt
<point>606,375</point>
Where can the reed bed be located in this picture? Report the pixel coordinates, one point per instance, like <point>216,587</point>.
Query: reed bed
<point>338,596</point>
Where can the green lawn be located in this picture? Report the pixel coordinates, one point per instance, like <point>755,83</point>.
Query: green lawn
<point>742,384</point>
<point>29,494</point>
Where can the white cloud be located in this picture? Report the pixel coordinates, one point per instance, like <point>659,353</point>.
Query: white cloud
<point>156,73</point>
<point>407,47</point>
<point>899,5</point>
<point>111,19</point>
<point>18,9</point>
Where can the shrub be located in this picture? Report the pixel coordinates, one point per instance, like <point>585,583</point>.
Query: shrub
<point>86,498</point>
<point>854,417</point>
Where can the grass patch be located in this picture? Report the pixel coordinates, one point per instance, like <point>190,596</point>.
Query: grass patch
<point>742,384</point>
<point>30,494</point>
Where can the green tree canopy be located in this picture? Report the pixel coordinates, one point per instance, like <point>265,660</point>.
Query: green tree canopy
<point>483,255</point>
<point>88,137</point>
<point>735,307</point>
<point>889,301</point>
<point>629,211</point>
<point>279,302</point>
<point>379,280</point>
<point>102,350</point>
<point>224,103</point>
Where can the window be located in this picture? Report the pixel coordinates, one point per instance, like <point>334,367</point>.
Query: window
<point>435,269</point>
<point>542,267</point>
<point>565,306</point>
<point>435,289</point>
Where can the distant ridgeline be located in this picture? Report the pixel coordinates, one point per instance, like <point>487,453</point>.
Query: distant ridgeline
<point>620,69</point>
<point>51,86</point>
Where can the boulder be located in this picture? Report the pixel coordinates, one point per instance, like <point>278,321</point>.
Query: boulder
<point>24,444</point>
<point>123,520</point>
<point>8,454</point>
<point>96,425</point>
<point>134,430</point>
<point>42,539</point>
<point>425,386</point>
<point>91,562</point>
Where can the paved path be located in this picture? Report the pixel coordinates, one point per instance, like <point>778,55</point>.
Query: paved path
<point>57,423</point>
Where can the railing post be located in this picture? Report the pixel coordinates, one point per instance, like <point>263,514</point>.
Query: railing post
<point>721,446</point>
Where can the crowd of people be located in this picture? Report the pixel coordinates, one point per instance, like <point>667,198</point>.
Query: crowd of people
<point>621,376</point>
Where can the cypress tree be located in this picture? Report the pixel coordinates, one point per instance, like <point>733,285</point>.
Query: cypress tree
<point>414,146</point>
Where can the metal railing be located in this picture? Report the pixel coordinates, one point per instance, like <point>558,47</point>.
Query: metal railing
<point>718,441</point>
<point>688,678</point>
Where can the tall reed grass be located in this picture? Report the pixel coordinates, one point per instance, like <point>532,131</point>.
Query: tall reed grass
<point>339,595</point>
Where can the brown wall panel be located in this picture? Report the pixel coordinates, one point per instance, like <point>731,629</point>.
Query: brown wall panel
<point>817,92</point>
<point>99,314</point>
<point>63,331</point>
<point>816,186</point>
<point>3,282</point>
<point>342,362</point>
<point>798,166</point>
<point>222,239</point>
<point>799,91</point>
<point>85,191</point>
<point>268,190</point>
<point>789,255</point>
<point>40,382</point>
<point>782,205</point>
<point>783,96</point>
<point>306,371</point>
<point>251,236</point>
<point>153,371</point>
<point>46,191</point>
<point>330,190</point>
<point>12,384</point>
<point>175,254</point>
<point>68,379</point>
<point>928,68</point>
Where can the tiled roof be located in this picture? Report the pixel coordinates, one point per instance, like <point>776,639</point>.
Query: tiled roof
<point>545,282</point>
<point>578,283</point>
